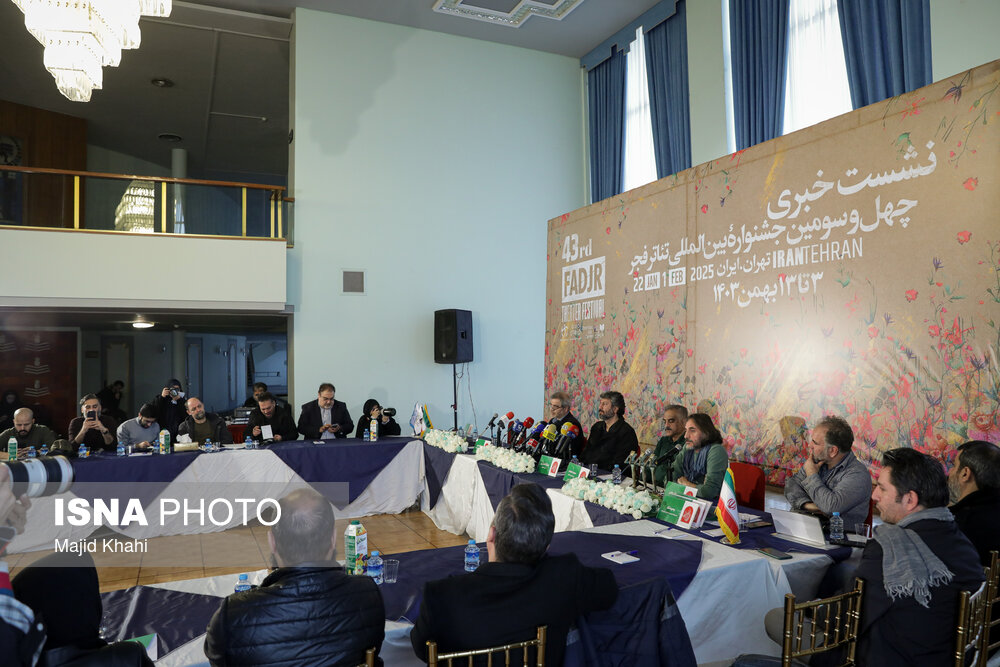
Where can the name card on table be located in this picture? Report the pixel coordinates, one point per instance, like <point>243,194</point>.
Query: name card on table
<point>680,489</point>
<point>575,470</point>
<point>683,511</point>
<point>480,443</point>
<point>548,465</point>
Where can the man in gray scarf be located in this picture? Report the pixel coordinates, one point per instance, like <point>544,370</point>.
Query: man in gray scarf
<point>915,567</point>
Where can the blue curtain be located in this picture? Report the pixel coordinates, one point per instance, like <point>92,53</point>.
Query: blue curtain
<point>758,37</point>
<point>887,46</point>
<point>667,72</point>
<point>606,102</point>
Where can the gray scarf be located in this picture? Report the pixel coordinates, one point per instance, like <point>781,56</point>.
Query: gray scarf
<point>695,463</point>
<point>909,567</point>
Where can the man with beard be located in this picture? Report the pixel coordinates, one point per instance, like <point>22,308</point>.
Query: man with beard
<point>611,439</point>
<point>201,425</point>
<point>671,443</point>
<point>704,461</point>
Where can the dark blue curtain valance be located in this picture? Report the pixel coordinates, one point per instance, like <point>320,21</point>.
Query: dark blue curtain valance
<point>887,46</point>
<point>758,37</point>
<point>621,40</point>
<point>606,104</point>
<point>669,105</point>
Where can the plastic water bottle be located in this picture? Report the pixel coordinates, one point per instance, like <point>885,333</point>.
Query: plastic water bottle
<point>616,475</point>
<point>12,449</point>
<point>121,449</point>
<point>248,443</point>
<point>208,445</point>
<point>83,452</point>
<point>471,556</point>
<point>375,568</point>
<point>836,527</point>
<point>575,460</point>
<point>32,453</point>
<point>593,471</point>
<point>242,584</point>
<point>44,451</point>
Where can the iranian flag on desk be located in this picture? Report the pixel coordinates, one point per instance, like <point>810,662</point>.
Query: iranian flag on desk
<point>728,511</point>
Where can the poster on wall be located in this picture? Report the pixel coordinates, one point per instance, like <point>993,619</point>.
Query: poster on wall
<point>851,268</point>
<point>38,370</point>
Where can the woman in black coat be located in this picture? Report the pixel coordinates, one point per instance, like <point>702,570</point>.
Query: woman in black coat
<point>386,425</point>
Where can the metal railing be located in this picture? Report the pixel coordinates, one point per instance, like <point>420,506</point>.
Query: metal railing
<point>81,200</point>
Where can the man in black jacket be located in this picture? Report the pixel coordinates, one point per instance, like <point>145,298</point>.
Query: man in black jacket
<point>974,486</point>
<point>612,438</point>
<point>269,413</point>
<point>308,611</point>
<point>169,406</point>
<point>560,411</point>
<point>325,418</point>
<point>201,425</point>
<point>519,589</point>
<point>915,567</point>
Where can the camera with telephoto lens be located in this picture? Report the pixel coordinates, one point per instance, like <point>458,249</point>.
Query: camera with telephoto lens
<point>389,412</point>
<point>44,476</point>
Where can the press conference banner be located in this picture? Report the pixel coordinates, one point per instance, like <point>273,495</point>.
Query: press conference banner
<point>852,268</point>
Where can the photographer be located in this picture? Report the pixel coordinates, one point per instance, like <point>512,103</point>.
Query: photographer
<point>20,637</point>
<point>93,429</point>
<point>169,405</point>
<point>386,424</point>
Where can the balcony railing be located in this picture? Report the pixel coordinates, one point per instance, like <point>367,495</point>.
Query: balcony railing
<point>60,198</point>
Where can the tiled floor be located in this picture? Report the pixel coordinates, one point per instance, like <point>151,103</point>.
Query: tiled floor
<point>246,548</point>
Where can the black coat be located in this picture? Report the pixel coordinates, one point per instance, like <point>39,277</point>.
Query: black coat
<point>502,603</point>
<point>119,654</point>
<point>392,428</point>
<point>311,420</point>
<point>578,443</point>
<point>219,429</point>
<point>281,424</point>
<point>978,516</point>
<point>316,616</point>
<point>169,414</point>
<point>902,632</point>
<point>606,448</point>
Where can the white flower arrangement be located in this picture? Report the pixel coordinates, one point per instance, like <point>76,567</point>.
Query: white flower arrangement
<point>449,441</point>
<point>624,500</point>
<point>507,459</point>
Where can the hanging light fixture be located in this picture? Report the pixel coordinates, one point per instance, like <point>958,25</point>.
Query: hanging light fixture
<point>136,211</point>
<point>82,36</point>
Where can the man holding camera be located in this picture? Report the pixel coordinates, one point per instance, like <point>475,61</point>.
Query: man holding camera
<point>93,429</point>
<point>27,433</point>
<point>170,410</point>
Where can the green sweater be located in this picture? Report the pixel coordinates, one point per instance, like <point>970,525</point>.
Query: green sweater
<point>37,436</point>
<point>715,471</point>
<point>663,446</point>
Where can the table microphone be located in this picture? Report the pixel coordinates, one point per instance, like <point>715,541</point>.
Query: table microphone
<point>528,423</point>
<point>514,431</point>
<point>548,437</point>
<point>531,446</point>
<point>568,433</point>
<point>493,420</point>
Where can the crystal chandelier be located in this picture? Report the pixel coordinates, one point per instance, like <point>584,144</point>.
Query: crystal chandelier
<point>82,36</point>
<point>136,212</point>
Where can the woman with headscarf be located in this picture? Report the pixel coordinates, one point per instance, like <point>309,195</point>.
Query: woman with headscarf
<point>386,425</point>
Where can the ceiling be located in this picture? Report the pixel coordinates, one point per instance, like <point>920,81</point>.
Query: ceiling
<point>229,61</point>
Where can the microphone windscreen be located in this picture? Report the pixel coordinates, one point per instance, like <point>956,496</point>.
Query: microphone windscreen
<point>567,429</point>
<point>550,432</point>
<point>528,423</point>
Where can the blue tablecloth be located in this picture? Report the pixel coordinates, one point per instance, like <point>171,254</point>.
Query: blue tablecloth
<point>175,617</point>
<point>348,460</point>
<point>437,464</point>
<point>142,477</point>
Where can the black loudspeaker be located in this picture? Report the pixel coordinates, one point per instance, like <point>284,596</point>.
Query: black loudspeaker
<point>452,336</point>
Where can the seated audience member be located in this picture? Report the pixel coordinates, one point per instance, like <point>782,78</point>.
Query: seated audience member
<point>612,439</point>
<point>110,398</point>
<point>325,418</point>
<point>62,592</point>
<point>560,413</point>
<point>831,479</point>
<point>169,404</point>
<point>93,429</point>
<point>268,413</point>
<point>200,425</point>
<point>704,461</point>
<point>27,433</point>
<point>519,589</point>
<point>21,636</point>
<point>372,410</point>
<point>307,612</point>
<point>671,443</point>
<point>142,431</point>
<point>259,389</point>
<point>974,487</point>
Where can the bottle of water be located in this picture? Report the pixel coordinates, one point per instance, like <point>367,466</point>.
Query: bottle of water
<point>471,556</point>
<point>208,445</point>
<point>616,475</point>
<point>242,584</point>
<point>121,449</point>
<point>248,443</point>
<point>593,471</point>
<point>375,568</point>
<point>83,452</point>
<point>31,452</point>
<point>44,451</point>
<point>368,434</point>
<point>836,527</point>
<point>575,460</point>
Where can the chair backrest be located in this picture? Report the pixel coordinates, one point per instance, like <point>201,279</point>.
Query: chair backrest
<point>834,622</point>
<point>749,481</point>
<point>369,658</point>
<point>434,658</point>
<point>970,633</point>
<point>992,609</point>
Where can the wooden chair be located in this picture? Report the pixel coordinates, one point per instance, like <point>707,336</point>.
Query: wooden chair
<point>749,481</point>
<point>992,610</point>
<point>970,634</point>
<point>827,624</point>
<point>434,658</point>
<point>369,658</point>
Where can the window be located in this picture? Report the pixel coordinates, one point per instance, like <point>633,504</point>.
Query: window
<point>640,159</point>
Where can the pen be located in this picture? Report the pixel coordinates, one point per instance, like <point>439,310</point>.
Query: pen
<point>633,553</point>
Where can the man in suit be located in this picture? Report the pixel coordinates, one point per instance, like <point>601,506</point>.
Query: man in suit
<point>325,418</point>
<point>560,409</point>
<point>974,487</point>
<point>519,589</point>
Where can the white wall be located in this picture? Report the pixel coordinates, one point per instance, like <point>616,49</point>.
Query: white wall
<point>433,163</point>
<point>54,268</point>
<point>963,35</point>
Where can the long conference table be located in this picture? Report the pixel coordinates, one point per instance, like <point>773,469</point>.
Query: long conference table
<point>722,592</point>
